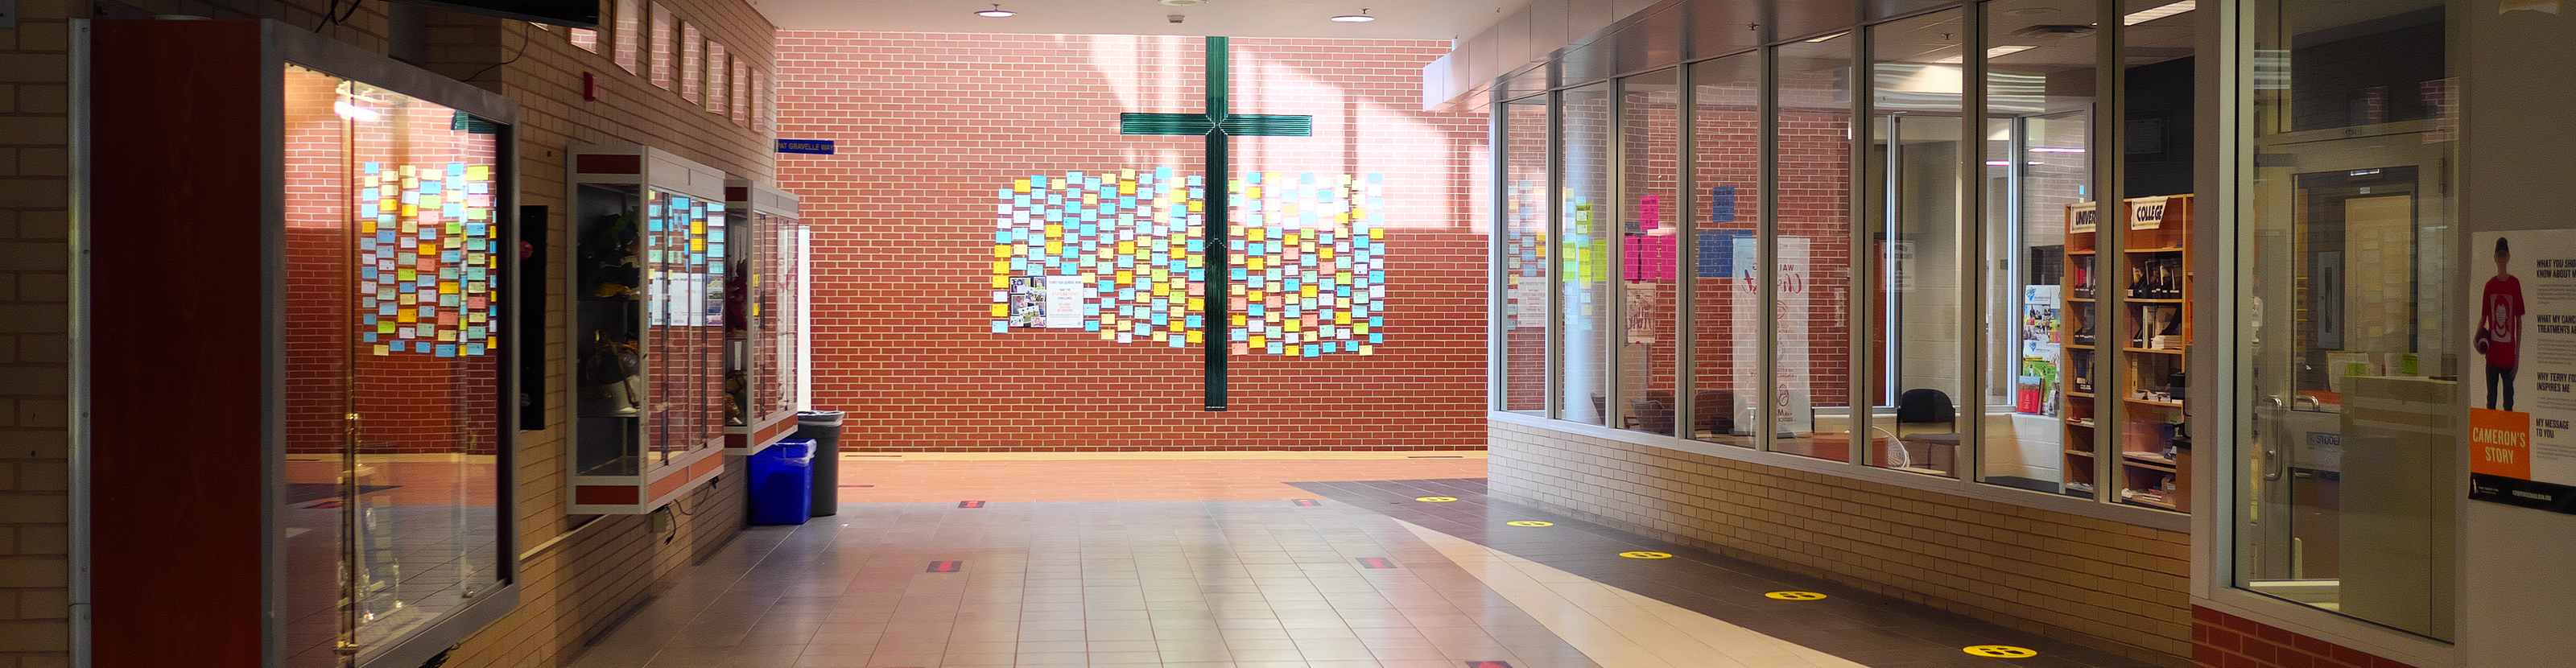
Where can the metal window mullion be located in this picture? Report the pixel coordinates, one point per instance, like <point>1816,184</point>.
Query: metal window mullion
<point>2110,313</point>
<point>1552,247</point>
<point>1766,233</point>
<point>1967,462</point>
<point>1497,303</point>
<point>1614,237</point>
<point>1861,414</point>
<point>1685,270</point>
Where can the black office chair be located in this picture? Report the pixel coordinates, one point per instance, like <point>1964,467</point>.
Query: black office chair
<point>1926,406</point>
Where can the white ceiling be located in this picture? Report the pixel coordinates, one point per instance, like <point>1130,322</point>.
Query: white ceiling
<point>1397,19</point>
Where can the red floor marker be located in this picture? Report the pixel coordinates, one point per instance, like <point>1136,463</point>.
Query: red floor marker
<point>1376,562</point>
<point>1307,502</point>
<point>947,566</point>
<point>1488,664</point>
<point>970,504</point>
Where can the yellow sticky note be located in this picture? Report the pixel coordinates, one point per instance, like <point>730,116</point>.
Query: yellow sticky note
<point>406,315</point>
<point>381,350</point>
<point>999,250</point>
<point>1127,187</point>
<point>1252,264</point>
<point>1307,290</point>
<point>698,245</point>
<point>1253,192</point>
<point>1126,248</point>
<point>1019,186</point>
<point>1126,277</point>
<point>1254,295</point>
<point>1198,261</point>
<point>1324,253</point>
<point>447,287</point>
<point>1360,329</point>
<point>1194,337</point>
<point>410,211</point>
<point>1001,281</point>
<point>478,173</point>
<point>447,335</point>
<point>1197,206</point>
<point>1056,183</point>
<point>1255,234</point>
<point>1290,325</point>
<point>1000,310</point>
<point>1377,233</point>
<point>1367,350</point>
<point>1126,175</point>
<point>1054,231</point>
<point>1258,340</point>
<point>1159,291</point>
<point>1001,267</point>
<point>1198,303</point>
<point>1238,320</point>
<point>1091,199</point>
<point>1341,318</point>
<point>1054,247</point>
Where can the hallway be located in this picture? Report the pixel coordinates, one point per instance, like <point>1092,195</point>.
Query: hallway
<point>1112,559</point>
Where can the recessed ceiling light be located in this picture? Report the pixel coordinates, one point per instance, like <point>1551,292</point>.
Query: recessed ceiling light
<point>996,12</point>
<point>1362,17</point>
<point>2143,16</point>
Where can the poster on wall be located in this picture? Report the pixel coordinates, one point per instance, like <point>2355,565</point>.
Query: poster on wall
<point>1027,302</point>
<point>1640,312</point>
<point>2522,380</point>
<point>2035,387</point>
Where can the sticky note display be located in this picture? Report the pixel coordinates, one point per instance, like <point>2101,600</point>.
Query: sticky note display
<point>428,240</point>
<point>1138,240</point>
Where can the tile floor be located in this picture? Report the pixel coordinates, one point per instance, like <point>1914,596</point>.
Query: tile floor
<point>1364,577</point>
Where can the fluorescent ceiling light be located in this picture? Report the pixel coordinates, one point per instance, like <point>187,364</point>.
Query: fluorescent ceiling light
<point>1362,17</point>
<point>1990,53</point>
<point>1828,38</point>
<point>996,12</point>
<point>2143,16</point>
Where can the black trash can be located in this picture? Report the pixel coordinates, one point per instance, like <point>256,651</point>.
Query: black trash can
<point>825,428</point>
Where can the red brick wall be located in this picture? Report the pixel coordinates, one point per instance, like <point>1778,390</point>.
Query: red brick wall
<point>929,125</point>
<point>2221,640</point>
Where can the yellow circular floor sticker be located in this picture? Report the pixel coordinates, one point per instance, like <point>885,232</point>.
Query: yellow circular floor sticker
<point>2001,651</point>
<point>1795,595</point>
<point>1646,555</point>
<point>1531,523</point>
<point>1435,499</point>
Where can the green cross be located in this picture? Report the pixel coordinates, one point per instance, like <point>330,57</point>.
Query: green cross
<point>1217,125</point>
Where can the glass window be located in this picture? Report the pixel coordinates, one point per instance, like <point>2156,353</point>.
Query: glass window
<point>2347,486</point>
<point>1650,136</point>
<point>629,24</point>
<point>1525,254</point>
<point>2041,246</point>
<point>692,61</point>
<point>1811,393</point>
<point>716,68</point>
<point>1918,248</point>
<point>661,46</point>
<point>389,241</point>
<point>2153,225</point>
<point>1726,297</point>
<point>1583,354</point>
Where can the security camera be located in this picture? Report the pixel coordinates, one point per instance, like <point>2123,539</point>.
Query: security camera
<point>1175,18</point>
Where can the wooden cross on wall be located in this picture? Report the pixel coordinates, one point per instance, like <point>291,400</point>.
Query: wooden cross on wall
<point>1215,244</point>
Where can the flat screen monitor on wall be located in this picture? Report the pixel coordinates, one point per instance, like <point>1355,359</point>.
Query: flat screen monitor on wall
<point>569,13</point>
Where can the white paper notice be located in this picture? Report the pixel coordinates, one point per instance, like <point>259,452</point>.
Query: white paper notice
<point>1064,302</point>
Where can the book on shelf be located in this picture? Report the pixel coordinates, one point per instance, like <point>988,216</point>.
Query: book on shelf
<point>2080,276</point>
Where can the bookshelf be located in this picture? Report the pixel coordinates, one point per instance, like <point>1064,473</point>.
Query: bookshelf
<point>2083,309</point>
<point>2154,278</point>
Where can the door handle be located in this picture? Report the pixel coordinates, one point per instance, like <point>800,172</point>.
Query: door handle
<point>2272,466</point>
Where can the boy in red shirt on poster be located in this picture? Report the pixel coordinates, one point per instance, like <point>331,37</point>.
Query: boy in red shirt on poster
<point>2499,325</point>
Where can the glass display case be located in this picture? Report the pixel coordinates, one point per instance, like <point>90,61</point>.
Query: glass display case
<point>761,278</point>
<point>647,262</point>
<point>320,341</point>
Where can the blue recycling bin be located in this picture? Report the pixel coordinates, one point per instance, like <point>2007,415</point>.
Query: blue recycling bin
<point>782,483</point>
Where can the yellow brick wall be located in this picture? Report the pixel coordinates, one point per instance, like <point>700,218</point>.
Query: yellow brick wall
<point>574,588</point>
<point>2101,583</point>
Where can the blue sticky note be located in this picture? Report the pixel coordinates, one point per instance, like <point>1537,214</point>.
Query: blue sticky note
<point>367,272</point>
<point>367,319</point>
<point>1163,173</point>
<point>375,167</point>
<point>446,350</point>
<point>1240,335</point>
<point>1376,321</point>
<point>1162,318</point>
<point>456,169</point>
<point>1274,348</point>
<point>1311,350</point>
<point>397,346</point>
<point>1253,308</point>
<point>385,308</point>
<point>1237,273</point>
<point>1108,285</point>
<point>367,336</point>
<point>430,188</point>
<point>1377,276</point>
<point>1001,326</point>
<point>1375,337</point>
<point>384,236</point>
<point>474,348</point>
<point>1197,275</point>
<point>1091,325</point>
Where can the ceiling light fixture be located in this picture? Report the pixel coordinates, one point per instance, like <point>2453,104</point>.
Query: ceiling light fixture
<point>1362,17</point>
<point>996,12</point>
<point>2006,49</point>
<point>2143,16</point>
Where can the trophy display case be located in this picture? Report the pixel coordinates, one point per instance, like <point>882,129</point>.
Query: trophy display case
<point>647,271</point>
<point>763,274</point>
